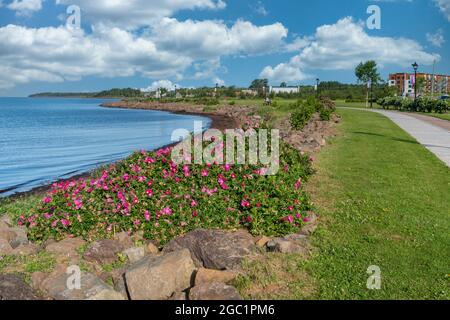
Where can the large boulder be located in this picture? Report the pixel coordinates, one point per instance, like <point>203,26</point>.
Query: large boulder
<point>65,249</point>
<point>214,291</point>
<point>91,287</point>
<point>286,245</point>
<point>215,249</point>
<point>207,275</point>
<point>134,254</point>
<point>5,247</point>
<point>159,277</point>
<point>103,251</point>
<point>14,288</point>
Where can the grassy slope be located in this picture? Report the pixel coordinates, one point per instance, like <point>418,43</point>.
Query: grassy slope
<point>384,200</point>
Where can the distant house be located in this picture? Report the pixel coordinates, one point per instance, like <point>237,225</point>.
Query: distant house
<point>287,89</point>
<point>249,92</point>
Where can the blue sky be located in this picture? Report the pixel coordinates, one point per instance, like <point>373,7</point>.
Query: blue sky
<point>150,43</point>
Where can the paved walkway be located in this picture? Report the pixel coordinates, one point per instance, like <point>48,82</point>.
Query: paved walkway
<point>430,132</point>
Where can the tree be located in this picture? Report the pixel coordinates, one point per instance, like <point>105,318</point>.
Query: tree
<point>259,84</point>
<point>283,85</point>
<point>366,73</point>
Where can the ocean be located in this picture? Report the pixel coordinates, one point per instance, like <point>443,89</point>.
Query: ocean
<point>46,139</point>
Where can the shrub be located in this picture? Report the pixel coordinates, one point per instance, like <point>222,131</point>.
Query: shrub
<point>232,103</point>
<point>148,192</point>
<point>301,117</point>
<point>423,104</point>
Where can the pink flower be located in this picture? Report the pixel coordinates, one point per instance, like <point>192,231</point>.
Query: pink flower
<point>193,203</point>
<point>204,173</point>
<point>137,222</point>
<point>298,184</point>
<point>65,222</point>
<point>290,219</point>
<point>47,199</point>
<point>126,177</point>
<point>194,213</point>
<point>166,211</point>
<point>149,193</point>
<point>55,223</point>
<point>306,219</point>
<point>47,216</point>
<point>291,208</point>
<point>186,171</point>
<point>147,215</point>
<point>227,167</point>
<point>78,204</point>
<point>245,203</point>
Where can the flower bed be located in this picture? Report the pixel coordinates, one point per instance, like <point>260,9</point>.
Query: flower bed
<point>148,192</point>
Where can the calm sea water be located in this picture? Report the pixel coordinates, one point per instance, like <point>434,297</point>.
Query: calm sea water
<point>43,140</point>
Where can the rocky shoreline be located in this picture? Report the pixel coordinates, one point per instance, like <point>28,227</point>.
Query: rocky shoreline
<point>200,265</point>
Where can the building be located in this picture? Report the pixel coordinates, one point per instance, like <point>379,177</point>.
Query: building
<point>287,89</point>
<point>405,83</point>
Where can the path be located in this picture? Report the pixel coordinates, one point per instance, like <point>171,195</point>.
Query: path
<point>432,133</point>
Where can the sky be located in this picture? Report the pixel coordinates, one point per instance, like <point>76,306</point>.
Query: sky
<point>148,44</point>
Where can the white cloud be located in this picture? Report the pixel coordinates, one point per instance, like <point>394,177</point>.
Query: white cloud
<point>436,39</point>
<point>166,84</point>
<point>209,39</point>
<point>284,72</point>
<point>444,5</point>
<point>137,13</point>
<point>343,45</point>
<point>57,54</point>
<point>25,7</point>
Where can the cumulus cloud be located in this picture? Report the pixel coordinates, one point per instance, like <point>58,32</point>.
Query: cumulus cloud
<point>209,39</point>
<point>57,54</point>
<point>25,7</point>
<point>343,45</point>
<point>63,54</point>
<point>166,84</point>
<point>437,38</point>
<point>137,13</point>
<point>444,5</point>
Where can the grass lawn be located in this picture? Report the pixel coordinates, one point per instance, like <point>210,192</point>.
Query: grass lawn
<point>383,200</point>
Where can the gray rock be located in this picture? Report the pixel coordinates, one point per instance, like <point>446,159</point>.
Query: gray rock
<point>67,248</point>
<point>14,288</point>
<point>214,291</point>
<point>103,251</point>
<point>124,239</point>
<point>286,246</point>
<point>178,296</point>
<point>215,249</point>
<point>21,237</point>
<point>25,250</point>
<point>134,254</point>
<point>7,234</point>
<point>5,248</point>
<point>159,277</point>
<point>92,288</point>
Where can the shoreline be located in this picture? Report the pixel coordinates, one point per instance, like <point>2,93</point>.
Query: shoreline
<point>218,121</point>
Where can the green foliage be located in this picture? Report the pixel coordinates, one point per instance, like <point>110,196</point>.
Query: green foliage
<point>148,192</point>
<point>306,109</point>
<point>367,71</point>
<point>302,115</point>
<point>423,104</point>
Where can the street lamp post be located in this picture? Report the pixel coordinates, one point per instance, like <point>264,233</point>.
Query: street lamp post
<point>415,66</point>
<point>175,91</point>
<point>317,87</point>
<point>217,90</point>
